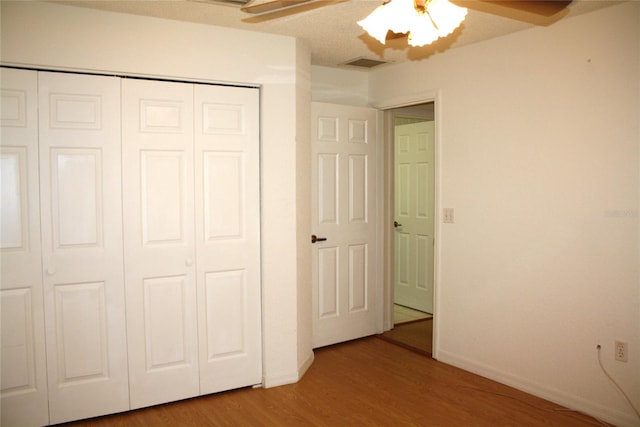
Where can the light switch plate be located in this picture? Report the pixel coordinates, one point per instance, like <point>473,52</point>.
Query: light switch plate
<point>447,215</point>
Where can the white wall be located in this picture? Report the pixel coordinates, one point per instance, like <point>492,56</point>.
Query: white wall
<point>64,37</point>
<point>303,210</point>
<point>540,142</point>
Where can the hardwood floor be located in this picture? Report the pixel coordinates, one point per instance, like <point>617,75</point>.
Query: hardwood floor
<point>416,336</point>
<point>402,314</point>
<point>364,382</point>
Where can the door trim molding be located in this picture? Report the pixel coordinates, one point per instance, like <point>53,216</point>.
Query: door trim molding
<point>154,77</point>
<point>407,100</point>
<point>387,106</point>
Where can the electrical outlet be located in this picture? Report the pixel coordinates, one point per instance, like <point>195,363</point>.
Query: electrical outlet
<point>622,352</point>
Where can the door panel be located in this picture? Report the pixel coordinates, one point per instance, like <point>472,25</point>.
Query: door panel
<point>328,282</point>
<point>343,212</point>
<point>358,169</point>
<point>159,241</point>
<point>163,184</point>
<point>327,188</point>
<point>23,378</point>
<point>358,270</point>
<point>223,215</point>
<point>225,309</point>
<point>18,373</point>
<point>81,212</point>
<point>81,317</point>
<point>76,199</point>
<point>15,195</point>
<point>414,212</point>
<point>227,203</point>
<point>165,311</point>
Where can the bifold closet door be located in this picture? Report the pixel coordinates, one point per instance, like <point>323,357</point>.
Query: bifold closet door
<point>192,238</point>
<point>227,193</point>
<point>81,211</point>
<point>24,376</point>
<point>157,137</point>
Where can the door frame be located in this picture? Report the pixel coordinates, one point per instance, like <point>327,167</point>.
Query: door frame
<point>387,242</point>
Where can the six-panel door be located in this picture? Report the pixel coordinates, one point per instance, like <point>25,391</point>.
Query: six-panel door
<point>157,137</point>
<point>343,212</point>
<point>227,194</point>
<point>24,381</point>
<point>81,212</point>
<point>414,212</point>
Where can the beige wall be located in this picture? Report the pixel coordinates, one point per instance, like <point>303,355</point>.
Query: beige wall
<point>303,209</point>
<point>63,37</point>
<point>539,146</point>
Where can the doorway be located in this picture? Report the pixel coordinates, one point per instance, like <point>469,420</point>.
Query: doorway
<point>413,214</point>
<point>411,220</point>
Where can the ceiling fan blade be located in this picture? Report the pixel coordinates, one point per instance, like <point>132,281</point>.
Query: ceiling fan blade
<point>539,7</point>
<point>265,6</point>
<point>292,7</point>
<point>536,12</point>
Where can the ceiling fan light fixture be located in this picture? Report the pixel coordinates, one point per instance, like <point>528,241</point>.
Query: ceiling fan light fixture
<point>424,20</point>
<point>424,32</point>
<point>447,16</point>
<point>399,15</point>
<point>376,24</point>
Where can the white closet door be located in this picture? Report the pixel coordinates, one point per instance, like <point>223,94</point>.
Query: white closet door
<point>159,233</point>
<point>228,236</point>
<point>24,377</point>
<point>81,208</point>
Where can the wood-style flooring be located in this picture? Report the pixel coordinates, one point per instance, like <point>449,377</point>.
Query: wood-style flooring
<point>367,382</point>
<point>403,314</point>
<point>416,335</point>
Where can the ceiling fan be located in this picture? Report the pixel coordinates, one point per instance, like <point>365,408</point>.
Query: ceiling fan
<point>545,8</point>
<point>537,12</point>
<point>258,7</point>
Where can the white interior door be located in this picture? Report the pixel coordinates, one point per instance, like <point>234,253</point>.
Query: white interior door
<point>227,193</point>
<point>414,215</point>
<point>344,213</point>
<point>81,210</point>
<point>157,137</point>
<point>23,380</point>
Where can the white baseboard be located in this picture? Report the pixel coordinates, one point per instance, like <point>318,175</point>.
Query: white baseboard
<point>306,365</point>
<point>288,378</point>
<point>567,400</point>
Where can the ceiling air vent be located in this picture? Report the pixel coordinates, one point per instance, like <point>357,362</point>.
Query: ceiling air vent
<point>365,63</point>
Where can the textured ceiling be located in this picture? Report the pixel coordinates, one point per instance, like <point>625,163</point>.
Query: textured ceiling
<point>329,26</point>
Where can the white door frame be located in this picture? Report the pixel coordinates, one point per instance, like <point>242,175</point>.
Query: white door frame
<point>386,106</point>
